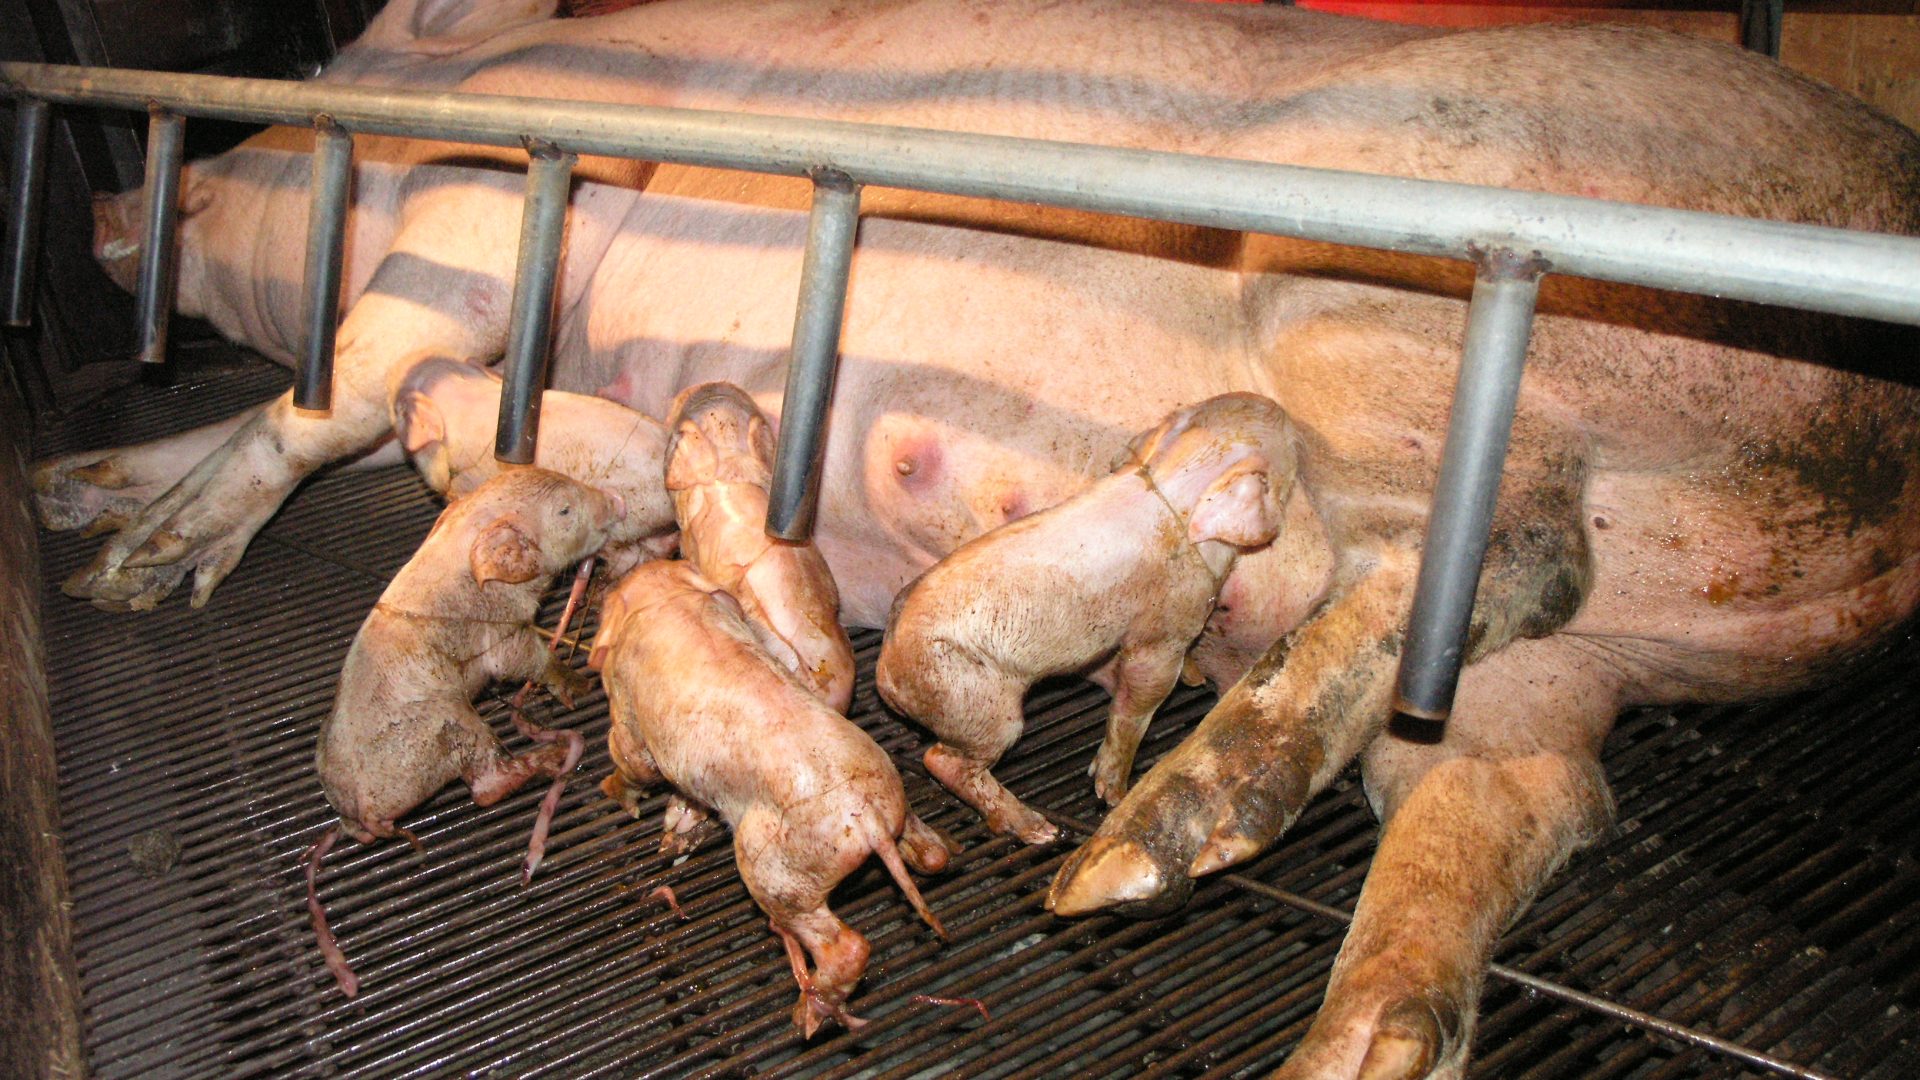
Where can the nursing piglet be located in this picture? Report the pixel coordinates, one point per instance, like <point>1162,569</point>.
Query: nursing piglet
<point>1116,583</point>
<point>698,703</point>
<point>445,413</point>
<point>719,466</point>
<point>457,617</point>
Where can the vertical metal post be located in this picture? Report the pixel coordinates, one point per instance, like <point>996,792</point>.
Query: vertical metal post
<point>1760,25</point>
<point>815,359</point>
<point>1499,322</point>
<point>166,142</point>
<point>542,225</point>
<point>326,241</point>
<point>28,175</point>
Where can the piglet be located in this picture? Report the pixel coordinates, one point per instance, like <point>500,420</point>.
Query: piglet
<point>457,617</point>
<point>1116,583</point>
<point>719,466</point>
<point>445,413</point>
<point>698,703</point>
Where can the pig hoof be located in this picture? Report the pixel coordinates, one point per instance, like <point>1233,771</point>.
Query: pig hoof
<point>627,795</point>
<point>1222,851</point>
<point>1407,1042</point>
<point>1109,777</point>
<point>565,684</point>
<point>161,548</point>
<point>74,496</point>
<point>1024,822</point>
<point>1119,874</point>
<point>121,588</point>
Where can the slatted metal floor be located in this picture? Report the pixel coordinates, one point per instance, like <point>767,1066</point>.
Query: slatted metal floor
<point>1762,886</point>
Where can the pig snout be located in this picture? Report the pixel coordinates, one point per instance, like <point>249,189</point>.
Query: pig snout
<point>116,236</point>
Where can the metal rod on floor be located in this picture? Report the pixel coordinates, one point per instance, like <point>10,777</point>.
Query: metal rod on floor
<point>1624,1013</point>
<point>1823,269</point>
<point>811,366</point>
<point>543,224</point>
<point>1549,988</point>
<point>326,243</point>
<point>29,178</point>
<point>1499,322</point>
<point>166,145</point>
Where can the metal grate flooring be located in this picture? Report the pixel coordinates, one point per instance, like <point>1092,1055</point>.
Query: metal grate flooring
<point>1763,885</point>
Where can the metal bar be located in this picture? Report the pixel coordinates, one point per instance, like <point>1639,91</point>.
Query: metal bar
<point>326,243</point>
<point>1837,270</point>
<point>815,359</point>
<point>1499,322</point>
<point>1678,1032</point>
<point>1558,991</point>
<point>1760,22</point>
<point>542,225</point>
<point>166,144</point>
<point>28,176</point>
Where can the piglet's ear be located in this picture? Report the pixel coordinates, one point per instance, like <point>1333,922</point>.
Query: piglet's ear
<point>611,614</point>
<point>421,422</point>
<point>504,552</point>
<point>690,458</point>
<point>1238,508</point>
<point>760,437</point>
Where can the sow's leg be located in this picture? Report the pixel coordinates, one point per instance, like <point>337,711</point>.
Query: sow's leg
<point>102,490</point>
<point>1240,779</point>
<point>1324,692</point>
<point>441,289</point>
<point>1473,827</point>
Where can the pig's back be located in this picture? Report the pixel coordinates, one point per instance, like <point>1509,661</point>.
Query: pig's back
<point>728,725</point>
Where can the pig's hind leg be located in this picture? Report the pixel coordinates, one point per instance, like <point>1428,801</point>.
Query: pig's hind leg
<point>978,719</point>
<point>1142,679</point>
<point>1474,826</point>
<point>101,490</point>
<point>792,889</point>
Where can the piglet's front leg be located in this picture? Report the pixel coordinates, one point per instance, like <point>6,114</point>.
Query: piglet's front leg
<point>1143,677</point>
<point>1280,735</point>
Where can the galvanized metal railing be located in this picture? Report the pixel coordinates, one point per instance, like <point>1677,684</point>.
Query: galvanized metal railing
<point>1512,237</point>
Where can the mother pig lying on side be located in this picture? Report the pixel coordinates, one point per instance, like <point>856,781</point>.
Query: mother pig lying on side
<point>456,618</point>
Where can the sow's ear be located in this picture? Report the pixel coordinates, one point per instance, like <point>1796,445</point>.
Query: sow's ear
<point>1241,507</point>
<point>504,552</point>
<point>420,421</point>
<point>690,458</point>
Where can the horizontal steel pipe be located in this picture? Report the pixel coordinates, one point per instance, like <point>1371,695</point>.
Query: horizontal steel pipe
<point>1499,322</point>
<point>1823,269</point>
<point>28,177</point>
<point>326,243</point>
<point>543,223</point>
<point>166,146</point>
<point>815,358</point>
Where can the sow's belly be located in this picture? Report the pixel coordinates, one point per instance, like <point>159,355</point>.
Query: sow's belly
<point>986,372</point>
